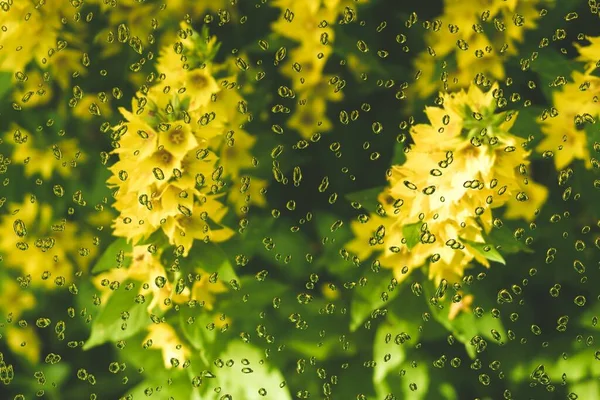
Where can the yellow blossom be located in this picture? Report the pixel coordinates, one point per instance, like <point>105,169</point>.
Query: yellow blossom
<point>463,38</point>
<point>36,245</point>
<point>463,305</point>
<point>183,229</point>
<point>310,118</point>
<point>565,135</point>
<point>23,341</point>
<point>164,337</point>
<point>146,269</point>
<point>204,291</point>
<point>26,40</point>
<point>464,163</point>
<point>38,157</point>
<point>34,91</point>
<point>14,299</point>
<point>82,109</point>
<point>245,192</point>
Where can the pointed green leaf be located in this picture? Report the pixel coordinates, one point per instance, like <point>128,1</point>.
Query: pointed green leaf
<point>108,326</point>
<point>367,299</point>
<point>367,198</point>
<point>412,234</point>
<point>245,381</point>
<point>486,250</point>
<point>110,258</point>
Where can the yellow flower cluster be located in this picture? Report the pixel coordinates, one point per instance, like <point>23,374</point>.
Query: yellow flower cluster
<point>34,31</point>
<point>463,31</point>
<point>161,295</point>
<point>46,251</point>
<point>178,148</point>
<point>463,164</point>
<point>41,158</point>
<point>143,19</point>
<point>576,106</point>
<point>303,23</point>
<point>147,269</point>
<point>169,174</point>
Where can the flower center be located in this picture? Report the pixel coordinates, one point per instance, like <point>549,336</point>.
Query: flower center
<point>177,136</point>
<point>308,119</point>
<point>199,81</point>
<point>164,157</point>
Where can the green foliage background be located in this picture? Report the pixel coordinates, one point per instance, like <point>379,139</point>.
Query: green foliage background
<point>377,337</point>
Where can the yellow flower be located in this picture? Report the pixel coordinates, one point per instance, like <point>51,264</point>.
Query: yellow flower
<point>34,91</point>
<point>235,153</point>
<point>200,86</point>
<point>536,195</point>
<point>204,291</point>
<point>589,54</point>
<point>27,38</point>
<point>462,36</point>
<point>177,139</point>
<point>196,171</point>
<point>164,337</point>
<point>143,212</point>
<point>464,305</point>
<point>361,245</point>
<point>82,109</point>
<point>463,164</point>
<point>183,229</point>
<point>169,150</point>
<point>36,245</point>
<point>310,118</point>
<point>139,139</point>
<point>306,64</point>
<point>245,192</point>
<point>147,269</point>
<point>14,299</point>
<point>330,292</point>
<point>23,341</point>
<point>61,157</point>
<point>305,25</point>
<point>565,134</point>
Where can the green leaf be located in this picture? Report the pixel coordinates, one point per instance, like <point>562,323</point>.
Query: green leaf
<point>368,298</point>
<point>151,359</point>
<point>382,350</point>
<point>324,350</point>
<point>289,244</point>
<point>201,338</point>
<point>486,250</point>
<point>587,389</point>
<point>5,83</point>
<point>108,324</point>
<point>245,381</point>
<point>210,258</point>
<point>249,242</point>
<point>550,65</point>
<point>527,124</point>
<point>420,377</point>
<point>593,138</point>
<point>179,387</point>
<point>330,255</point>
<point>447,391</point>
<point>109,259</point>
<point>399,156</point>
<point>504,238</point>
<point>367,198</point>
<point>466,325</point>
<point>412,234</point>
